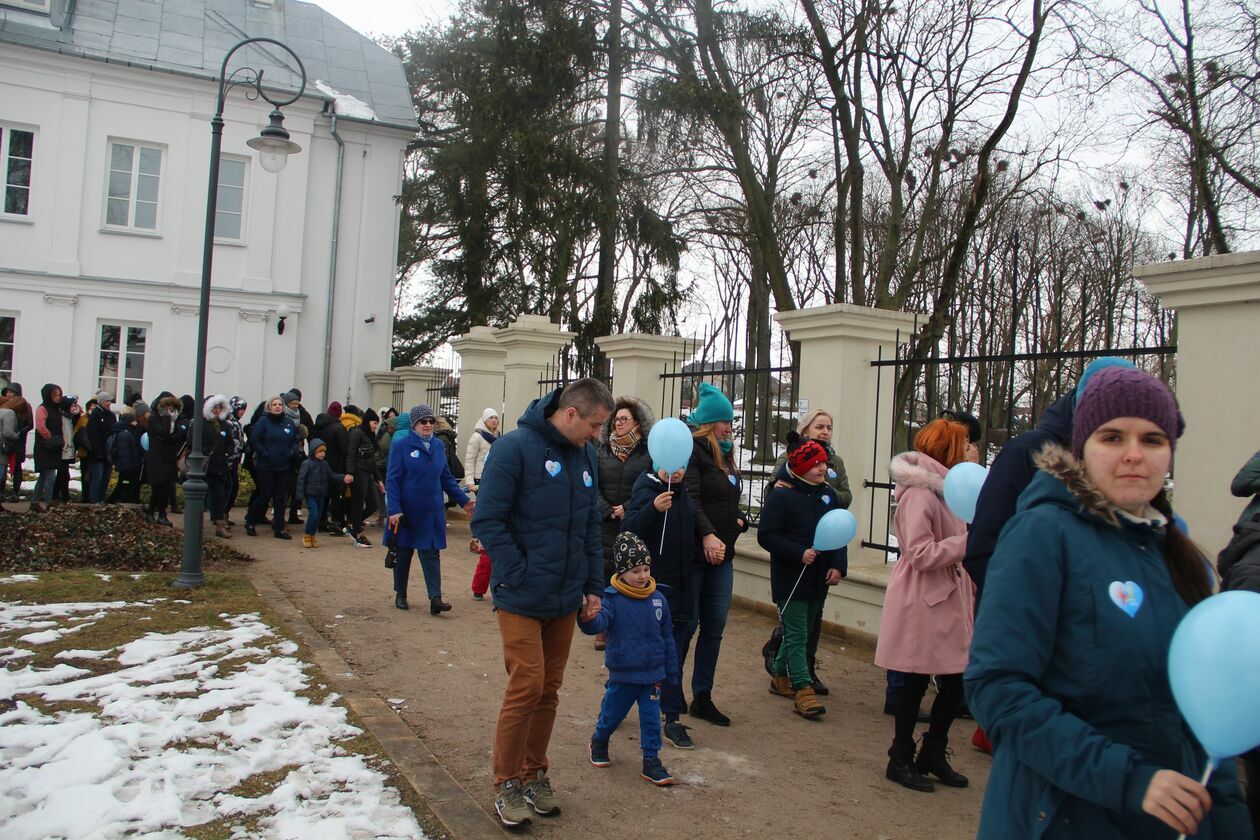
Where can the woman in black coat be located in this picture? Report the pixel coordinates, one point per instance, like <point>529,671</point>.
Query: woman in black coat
<point>623,457</point>
<point>168,432</point>
<point>714,482</point>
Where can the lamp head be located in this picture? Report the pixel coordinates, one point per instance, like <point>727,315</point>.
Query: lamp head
<point>273,144</point>
<point>282,312</point>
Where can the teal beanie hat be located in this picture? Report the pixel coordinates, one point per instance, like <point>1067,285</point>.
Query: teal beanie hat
<point>712,407</point>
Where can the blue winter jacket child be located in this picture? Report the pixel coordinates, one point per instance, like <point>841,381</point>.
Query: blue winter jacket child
<point>538,517</point>
<point>640,647</point>
<point>1068,672</point>
<point>316,476</point>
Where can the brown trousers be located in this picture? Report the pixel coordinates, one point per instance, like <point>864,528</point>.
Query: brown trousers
<point>535,651</point>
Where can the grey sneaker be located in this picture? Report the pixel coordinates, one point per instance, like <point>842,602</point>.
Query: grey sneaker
<point>541,797</point>
<point>510,804</point>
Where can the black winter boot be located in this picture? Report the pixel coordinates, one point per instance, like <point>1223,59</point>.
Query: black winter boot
<point>901,768</point>
<point>702,707</point>
<point>934,759</point>
<point>437,606</point>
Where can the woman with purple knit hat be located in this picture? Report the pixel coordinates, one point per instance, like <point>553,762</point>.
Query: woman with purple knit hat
<point>1068,672</point>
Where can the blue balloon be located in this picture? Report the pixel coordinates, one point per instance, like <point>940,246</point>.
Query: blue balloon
<point>962,489</point>
<point>1214,668</point>
<point>836,529</point>
<point>144,441</point>
<point>669,444</point>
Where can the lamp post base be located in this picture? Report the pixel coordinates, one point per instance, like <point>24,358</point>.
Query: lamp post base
<point>190,574</point>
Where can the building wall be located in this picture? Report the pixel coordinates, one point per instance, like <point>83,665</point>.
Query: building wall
<point>61,274</point>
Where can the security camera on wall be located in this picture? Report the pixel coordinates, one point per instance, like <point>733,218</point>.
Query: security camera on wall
<point>371,319</point>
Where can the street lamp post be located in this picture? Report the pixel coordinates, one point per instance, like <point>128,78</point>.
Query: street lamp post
<point>273,146</point>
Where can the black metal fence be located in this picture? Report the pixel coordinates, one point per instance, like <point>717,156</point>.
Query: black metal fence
<point>1006,392</point>
<point>443,397</point>
<point>765,397</point>
<point>568,366</point>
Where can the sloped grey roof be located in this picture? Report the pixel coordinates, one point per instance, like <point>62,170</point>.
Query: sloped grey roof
<point>193,36</point>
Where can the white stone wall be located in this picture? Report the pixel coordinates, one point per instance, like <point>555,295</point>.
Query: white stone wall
<point>61,274</point>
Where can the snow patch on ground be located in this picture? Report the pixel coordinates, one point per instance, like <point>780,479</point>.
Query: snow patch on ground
<point>19,579</point>
<point>185,720</point>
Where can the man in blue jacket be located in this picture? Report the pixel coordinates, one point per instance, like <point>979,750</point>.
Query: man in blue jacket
<point>538,518</point>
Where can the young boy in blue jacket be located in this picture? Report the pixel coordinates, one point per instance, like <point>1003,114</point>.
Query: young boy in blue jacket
<point>315,480</point>
<point>661,513</point>
<point>640,654</point>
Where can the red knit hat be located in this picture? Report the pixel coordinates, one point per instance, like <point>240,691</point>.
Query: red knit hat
<point>334,410</point>
<point>805,457</point>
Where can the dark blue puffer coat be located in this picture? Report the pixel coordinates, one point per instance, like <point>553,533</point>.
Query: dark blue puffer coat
<point>1011,472</point>
<point>274,442</point>
<point>538,518</point>
<point>641,647</point>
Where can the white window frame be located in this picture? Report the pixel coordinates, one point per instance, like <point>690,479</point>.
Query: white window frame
<point>117,386</point>
<point>28,5</point>
<point>245,169</point>
<point>28,216</point>
<point>6,375</point>
<point>131,227</point>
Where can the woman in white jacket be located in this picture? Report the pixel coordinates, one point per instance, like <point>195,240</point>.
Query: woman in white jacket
<point>485,433</point>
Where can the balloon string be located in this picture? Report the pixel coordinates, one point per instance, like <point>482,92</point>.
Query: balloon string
<point>793,592</point>
<point>1207,774</point>
<point>669,486</point>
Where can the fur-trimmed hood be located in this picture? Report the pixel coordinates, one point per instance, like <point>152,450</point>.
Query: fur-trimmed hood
<point>914,469</point>
<point>170,403</point>
<point>220,400</point>
<point>641,413</point>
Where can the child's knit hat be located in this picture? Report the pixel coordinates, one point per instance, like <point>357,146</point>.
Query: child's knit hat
<point>805,457</point>
<point>629,551</point>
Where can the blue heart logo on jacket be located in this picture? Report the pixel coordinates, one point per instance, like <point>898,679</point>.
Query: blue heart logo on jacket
<point>734,479</point>
<point>826,500</point>
<point>1127,596</point>
<point>552,467</point>
<point>831,473</point>
<point>415,453</point>
<point>586,478</point>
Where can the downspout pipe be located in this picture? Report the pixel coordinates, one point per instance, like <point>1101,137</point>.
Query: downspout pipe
<point>332,257</point>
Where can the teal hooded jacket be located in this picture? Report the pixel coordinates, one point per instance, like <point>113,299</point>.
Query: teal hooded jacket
<point>1068,672</point>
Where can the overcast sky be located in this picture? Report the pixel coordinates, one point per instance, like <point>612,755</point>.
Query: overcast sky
<point>388,17</point>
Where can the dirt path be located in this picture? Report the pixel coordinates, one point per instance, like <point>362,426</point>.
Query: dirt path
<point>770,773</point>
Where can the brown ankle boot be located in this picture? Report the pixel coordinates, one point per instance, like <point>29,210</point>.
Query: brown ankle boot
<point>782,686</point>
<point>308,541</point>
<point>220,530</point>
<point>807,704</point>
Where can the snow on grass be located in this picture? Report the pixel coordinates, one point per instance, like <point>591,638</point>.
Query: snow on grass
<point>19,579</point>
<point>175,736</point>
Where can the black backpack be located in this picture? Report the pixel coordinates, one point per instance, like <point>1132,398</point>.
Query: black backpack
<point>111,448</point>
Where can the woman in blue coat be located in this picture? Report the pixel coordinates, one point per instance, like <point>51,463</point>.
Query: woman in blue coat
<point>1069,663</point>
<point>414,482</point>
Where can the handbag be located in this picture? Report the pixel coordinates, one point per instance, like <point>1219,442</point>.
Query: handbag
<point>181,461</point>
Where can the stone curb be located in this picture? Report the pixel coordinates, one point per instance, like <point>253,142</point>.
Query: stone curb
<point>446,798</point>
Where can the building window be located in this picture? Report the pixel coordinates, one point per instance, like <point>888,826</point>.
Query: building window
<point>32,5</point>
<point>121,367</point>
<point>17,150</point>
<point>135,173</point>
<point>8,327</point>
<point>229,211</point>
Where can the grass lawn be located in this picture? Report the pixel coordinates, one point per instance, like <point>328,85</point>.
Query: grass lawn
<point>127,706</point>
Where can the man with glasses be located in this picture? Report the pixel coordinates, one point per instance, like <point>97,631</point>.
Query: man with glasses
<point>538,516</point>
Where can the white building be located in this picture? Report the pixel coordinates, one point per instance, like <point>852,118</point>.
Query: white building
<point>105,110</point>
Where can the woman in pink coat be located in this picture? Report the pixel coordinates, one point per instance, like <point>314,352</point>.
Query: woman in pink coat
<point>927,620</point>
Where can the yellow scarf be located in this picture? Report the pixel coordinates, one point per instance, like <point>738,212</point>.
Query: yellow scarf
<point>633,591</point>
<point>349,421</point>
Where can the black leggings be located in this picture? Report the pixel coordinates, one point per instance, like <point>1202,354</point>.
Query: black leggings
<point>273,489</point>
<point>163,494</point>
<point>948,697</point>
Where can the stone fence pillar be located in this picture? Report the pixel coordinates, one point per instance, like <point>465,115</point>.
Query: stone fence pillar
<point>530,344</point>
<point>637,363</point>
<point>1218,354</point>
<point>838,344</point>
<point>480,379</point>
<point>382,384</point>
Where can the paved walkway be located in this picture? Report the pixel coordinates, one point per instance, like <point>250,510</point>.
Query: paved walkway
<point>442,678</point>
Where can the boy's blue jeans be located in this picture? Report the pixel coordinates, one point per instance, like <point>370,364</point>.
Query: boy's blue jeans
<point>315,510</point>
<point>618,698</point>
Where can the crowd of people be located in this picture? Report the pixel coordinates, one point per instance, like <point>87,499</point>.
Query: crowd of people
<point>1048,618</point>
